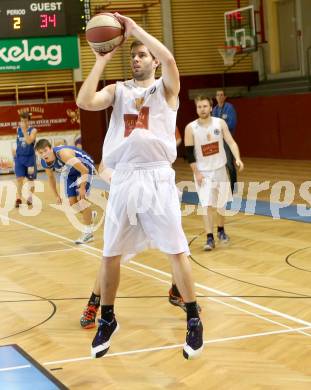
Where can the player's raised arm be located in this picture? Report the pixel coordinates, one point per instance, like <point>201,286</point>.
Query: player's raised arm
<point>105,34</point>
<point>88,98</point>
<point>170,72</point>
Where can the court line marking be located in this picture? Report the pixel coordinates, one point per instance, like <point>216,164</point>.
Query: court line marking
<point>288,330</point>
<point>249,303</point>
<point>174,346</point>
<point>37,253</point>
<point>210,298</point>
<point>166,347</point>
<point>168,275</point>
<point>242,300</point>
<point>15,368</point>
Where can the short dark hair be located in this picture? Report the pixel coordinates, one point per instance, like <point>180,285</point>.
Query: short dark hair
<point>25,115</point>
<point>203,97</point>
<point>43,143</point>
<point>137,43</point>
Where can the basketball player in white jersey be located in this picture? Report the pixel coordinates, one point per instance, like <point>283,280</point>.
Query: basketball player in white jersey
<point>204,142</point>
<point>143,207</point>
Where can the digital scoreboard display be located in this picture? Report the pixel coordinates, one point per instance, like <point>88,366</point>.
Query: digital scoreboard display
<point>28,18</point>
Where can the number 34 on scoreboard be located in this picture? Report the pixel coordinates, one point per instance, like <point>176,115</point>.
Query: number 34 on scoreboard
<point>28,18</point>
<point>46,21</point>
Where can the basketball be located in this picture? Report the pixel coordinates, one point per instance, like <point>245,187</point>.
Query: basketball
<point>104,32</point>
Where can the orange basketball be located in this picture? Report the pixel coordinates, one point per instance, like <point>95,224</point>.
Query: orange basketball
<point>104,32</point>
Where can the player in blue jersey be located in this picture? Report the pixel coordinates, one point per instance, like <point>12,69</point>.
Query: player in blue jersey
<point>226,111</point>
<point>25,157</point>
<point>78,169</point>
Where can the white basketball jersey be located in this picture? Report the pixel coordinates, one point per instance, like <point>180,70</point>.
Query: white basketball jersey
<point>142,126</point>
<point>209,145</point>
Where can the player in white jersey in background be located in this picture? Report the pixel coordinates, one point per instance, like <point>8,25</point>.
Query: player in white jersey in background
<point>204,142</point>
<point>143,207</point>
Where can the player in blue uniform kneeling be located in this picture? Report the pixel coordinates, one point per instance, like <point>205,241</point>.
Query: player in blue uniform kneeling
<point>79,169</point>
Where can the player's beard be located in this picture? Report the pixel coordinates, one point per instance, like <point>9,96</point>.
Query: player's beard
<point>142,74</point>
<point>204,116</point>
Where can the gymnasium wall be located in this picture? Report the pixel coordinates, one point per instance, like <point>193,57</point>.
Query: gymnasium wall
<point>198,29</point>
<point>59,76</point>
<point>94,124</point>
<point>274,126</point>
<point>147,17</point>
<point>268,126</point>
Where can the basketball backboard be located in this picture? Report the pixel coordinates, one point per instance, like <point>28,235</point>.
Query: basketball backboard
<point>240,29</point>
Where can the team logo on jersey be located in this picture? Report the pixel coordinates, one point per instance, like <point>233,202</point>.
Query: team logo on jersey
<point>139,103</point>
<point>210,149</point>
<point>152,90</point>
<point>216,131</point>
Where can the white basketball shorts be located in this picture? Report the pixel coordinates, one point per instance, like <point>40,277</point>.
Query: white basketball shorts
<point>215,189</point>
<point>143,211</point>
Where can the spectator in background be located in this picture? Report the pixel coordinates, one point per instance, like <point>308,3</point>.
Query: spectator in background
<point>25,157</point>
<point>226,111</point>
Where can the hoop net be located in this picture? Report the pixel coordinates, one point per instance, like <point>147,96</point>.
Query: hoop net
<point>228,53</point>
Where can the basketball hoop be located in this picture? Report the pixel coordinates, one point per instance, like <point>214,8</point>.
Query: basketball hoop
<point>228,53</point>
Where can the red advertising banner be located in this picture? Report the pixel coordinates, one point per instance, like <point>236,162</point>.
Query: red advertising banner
<point>44,117</point>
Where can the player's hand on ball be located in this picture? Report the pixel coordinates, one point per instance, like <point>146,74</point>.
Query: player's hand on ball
<point>128,23</point>
<point>104,56</point>
<point>240,165</point>
<point>104,32</point>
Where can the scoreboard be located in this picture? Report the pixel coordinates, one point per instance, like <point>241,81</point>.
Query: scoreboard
<point>28,18</point>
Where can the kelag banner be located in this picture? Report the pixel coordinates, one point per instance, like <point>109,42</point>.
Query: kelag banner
<point>39,54</point>
<point>45,117</point>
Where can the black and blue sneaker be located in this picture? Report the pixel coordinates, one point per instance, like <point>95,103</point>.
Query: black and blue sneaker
<point>194,339</point>
<point>210,244</point>
<point>101,341</point>
<point>178,301</point>
<point>223,237</point>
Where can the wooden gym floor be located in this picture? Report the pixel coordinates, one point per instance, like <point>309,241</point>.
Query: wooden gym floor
<point>255,295</point>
